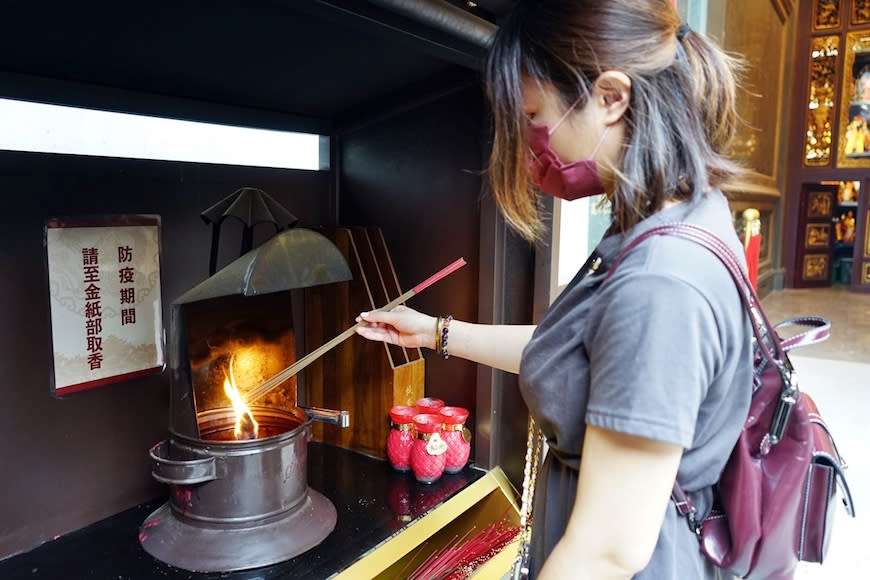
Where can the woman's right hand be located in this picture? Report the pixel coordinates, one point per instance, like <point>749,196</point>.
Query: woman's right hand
<point>402,326</point>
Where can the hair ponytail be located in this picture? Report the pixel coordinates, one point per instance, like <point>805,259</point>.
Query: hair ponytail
<point>715,77</point>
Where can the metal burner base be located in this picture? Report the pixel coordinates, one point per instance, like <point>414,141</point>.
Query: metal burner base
<point>200,548</point>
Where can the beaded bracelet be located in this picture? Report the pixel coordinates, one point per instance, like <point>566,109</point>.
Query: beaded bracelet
<point>441,329</point>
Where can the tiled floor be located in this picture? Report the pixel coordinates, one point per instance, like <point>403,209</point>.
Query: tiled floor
<point>837,375</point>
<point>849,313</point>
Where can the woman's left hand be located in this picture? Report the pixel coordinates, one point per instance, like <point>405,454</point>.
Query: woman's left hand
<point>402,326</point>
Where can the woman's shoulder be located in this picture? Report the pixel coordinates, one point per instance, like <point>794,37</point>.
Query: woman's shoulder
<point>709,210</point>
<point>682,259</point>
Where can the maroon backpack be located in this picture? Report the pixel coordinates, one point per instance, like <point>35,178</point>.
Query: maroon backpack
<point>775,499</point>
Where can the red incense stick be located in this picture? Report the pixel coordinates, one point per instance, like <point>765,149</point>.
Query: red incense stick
<point>446,271</point>
<point>303,362</point>
<point>460,557</point>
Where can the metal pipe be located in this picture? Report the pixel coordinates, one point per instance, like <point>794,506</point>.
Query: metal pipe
<point>443,16</point>
<point>331,416</point>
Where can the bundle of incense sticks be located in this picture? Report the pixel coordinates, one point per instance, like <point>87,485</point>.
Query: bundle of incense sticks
<point>285,374</point>
<point>461,556</point>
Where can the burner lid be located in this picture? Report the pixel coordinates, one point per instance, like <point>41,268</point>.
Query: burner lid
<point>296,258</point>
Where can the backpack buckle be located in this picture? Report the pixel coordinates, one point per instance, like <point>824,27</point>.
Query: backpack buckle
<point>783,408</point>
<point>692,518</point>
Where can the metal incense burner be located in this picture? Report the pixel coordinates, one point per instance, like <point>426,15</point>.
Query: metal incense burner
<point>239,497</point>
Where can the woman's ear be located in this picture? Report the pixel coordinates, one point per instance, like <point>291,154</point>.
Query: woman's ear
<point>612,92</point>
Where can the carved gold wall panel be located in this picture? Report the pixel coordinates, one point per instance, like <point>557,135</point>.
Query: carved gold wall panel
<point>824,53</point>
<point>860,12</point>
<point>826,14</point>
<point>819,204</point>
<point>818,236</point>
<point>815,267</point>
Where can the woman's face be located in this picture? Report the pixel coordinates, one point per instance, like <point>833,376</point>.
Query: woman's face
<point>576,137</point>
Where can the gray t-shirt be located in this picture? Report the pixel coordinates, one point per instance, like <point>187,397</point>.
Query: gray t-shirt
<point>662,351</point>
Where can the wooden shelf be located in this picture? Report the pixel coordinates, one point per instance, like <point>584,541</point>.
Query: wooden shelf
<point>487,500</point>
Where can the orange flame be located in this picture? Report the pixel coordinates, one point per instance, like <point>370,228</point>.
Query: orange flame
<point>246,425</point>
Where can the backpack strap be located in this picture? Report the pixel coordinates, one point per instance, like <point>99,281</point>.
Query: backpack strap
<point>772,348</point>
<point>820,329</point>
<point>765,334</point>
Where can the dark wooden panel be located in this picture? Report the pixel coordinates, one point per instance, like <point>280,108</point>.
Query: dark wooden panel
<point>363,377</point>
<point>416,175</point>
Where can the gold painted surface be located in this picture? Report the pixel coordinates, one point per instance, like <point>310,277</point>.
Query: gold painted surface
<point>865,274</point>
<point>487,500</point>
<point>755,30</point>
<point>826,14</point>
<point>824,52</point>
<point>818,236</point>
<point>753,187</point>
<point>756,189</point>
<point>408,382</point>
<point>853,141</point>
<point>783,9</point>
<point>815,267</point>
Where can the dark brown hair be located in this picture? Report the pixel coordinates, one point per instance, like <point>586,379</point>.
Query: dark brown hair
<point>681,115</point>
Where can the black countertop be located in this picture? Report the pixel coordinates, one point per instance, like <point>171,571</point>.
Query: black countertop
<point>373,503</point>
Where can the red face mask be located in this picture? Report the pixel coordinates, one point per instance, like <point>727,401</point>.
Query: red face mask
<point>569,182</point>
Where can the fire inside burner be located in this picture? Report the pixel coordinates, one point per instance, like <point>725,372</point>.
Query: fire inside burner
<point>246,426</point>
<point>219,424</point>
<point>233,345</point>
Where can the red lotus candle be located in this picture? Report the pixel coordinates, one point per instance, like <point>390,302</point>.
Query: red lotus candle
<point>428,405</point>
<point>428,454</point>
<point>400,441</point>
<point>457,438</point>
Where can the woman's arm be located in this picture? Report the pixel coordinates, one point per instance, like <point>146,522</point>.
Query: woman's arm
<point>623,491</point>
<point>498,346</point>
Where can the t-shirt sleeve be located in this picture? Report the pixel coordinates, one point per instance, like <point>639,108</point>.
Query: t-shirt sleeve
<point>653,346</point>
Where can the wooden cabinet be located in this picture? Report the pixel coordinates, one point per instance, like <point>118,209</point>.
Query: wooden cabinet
<point>815,235</point>
<point>832,236</point>
<point>828,153</point>
<point>860,266</point>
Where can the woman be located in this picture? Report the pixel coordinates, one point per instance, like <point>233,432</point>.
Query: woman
<point>644,379</point>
